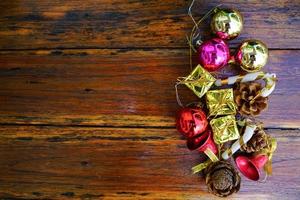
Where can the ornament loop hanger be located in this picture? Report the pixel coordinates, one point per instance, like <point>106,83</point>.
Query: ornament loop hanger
<point>195,37</point>
<point>195,33</point>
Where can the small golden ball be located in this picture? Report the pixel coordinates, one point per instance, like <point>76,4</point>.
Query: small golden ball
<point>227,23</point>
<point>252,55</point>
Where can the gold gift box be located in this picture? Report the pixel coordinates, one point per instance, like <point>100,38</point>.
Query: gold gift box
<point>224,129</point>
<point>199,81</point>
<point>220,102</point>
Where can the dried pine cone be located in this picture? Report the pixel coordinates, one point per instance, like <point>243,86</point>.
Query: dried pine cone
<point>257,142</point>
<point>222,178</point>
<point>247,100</point>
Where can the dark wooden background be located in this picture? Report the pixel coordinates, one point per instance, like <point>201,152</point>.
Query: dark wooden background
<point>87,99</point>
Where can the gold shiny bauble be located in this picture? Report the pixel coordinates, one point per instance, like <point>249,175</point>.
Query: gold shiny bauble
<point>252,55</point>
<point>227,23</point>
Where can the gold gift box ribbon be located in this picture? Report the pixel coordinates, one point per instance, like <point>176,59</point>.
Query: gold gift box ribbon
<point>224,129</point>
<point>269,150</point>
<point>199,81</point>
<point>220,102</point>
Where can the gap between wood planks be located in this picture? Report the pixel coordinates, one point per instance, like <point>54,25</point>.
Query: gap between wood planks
<point>113,127</point>
<point>53,162</point>
<point>279,61</point>
<point>123,48</point>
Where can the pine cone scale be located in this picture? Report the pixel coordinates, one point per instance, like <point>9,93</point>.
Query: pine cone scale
<point>257,142</point>
<point>222,179</point>
<point>248,100</point>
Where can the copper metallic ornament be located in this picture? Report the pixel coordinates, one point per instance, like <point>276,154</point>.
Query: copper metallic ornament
<point>252,55</point>
<point>227,23</point>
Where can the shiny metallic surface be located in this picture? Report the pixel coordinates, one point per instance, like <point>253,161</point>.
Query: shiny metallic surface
<point>252,55</point>
<point>213,54</point>
<point>227,23</point>
<point>191,122</point>
<point>250,166</point>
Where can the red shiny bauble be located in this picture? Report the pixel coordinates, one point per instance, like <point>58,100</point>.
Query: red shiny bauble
<point>213,54</point>
<point>191,122</point>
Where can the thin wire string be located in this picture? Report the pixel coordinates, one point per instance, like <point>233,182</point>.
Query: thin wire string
<point>196,30</point>
<point>195,33</point>
<point>177,95</point>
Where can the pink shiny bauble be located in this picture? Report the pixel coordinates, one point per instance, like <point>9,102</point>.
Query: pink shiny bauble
<point>214,54</point>
<point>191,122</point>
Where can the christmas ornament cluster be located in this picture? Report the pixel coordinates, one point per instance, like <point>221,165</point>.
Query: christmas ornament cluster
<point>223,126</point>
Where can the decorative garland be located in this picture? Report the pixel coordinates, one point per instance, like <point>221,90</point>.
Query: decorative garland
<point>222,125</point>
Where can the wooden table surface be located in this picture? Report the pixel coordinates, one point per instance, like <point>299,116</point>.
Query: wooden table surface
<point>87,98</point>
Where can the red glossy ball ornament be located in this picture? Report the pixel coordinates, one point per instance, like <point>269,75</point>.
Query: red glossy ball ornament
<point>191,122</point>
<point>213,54</point>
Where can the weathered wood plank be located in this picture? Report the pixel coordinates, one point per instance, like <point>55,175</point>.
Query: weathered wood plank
<point>31,24</point>
<point>119,87</point>
<point>60,162</point>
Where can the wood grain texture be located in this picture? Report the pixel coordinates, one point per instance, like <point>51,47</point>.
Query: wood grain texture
<point>87,98</point>
<point>117,163</point>
<point>120,87</point>
<point>30,24</point>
